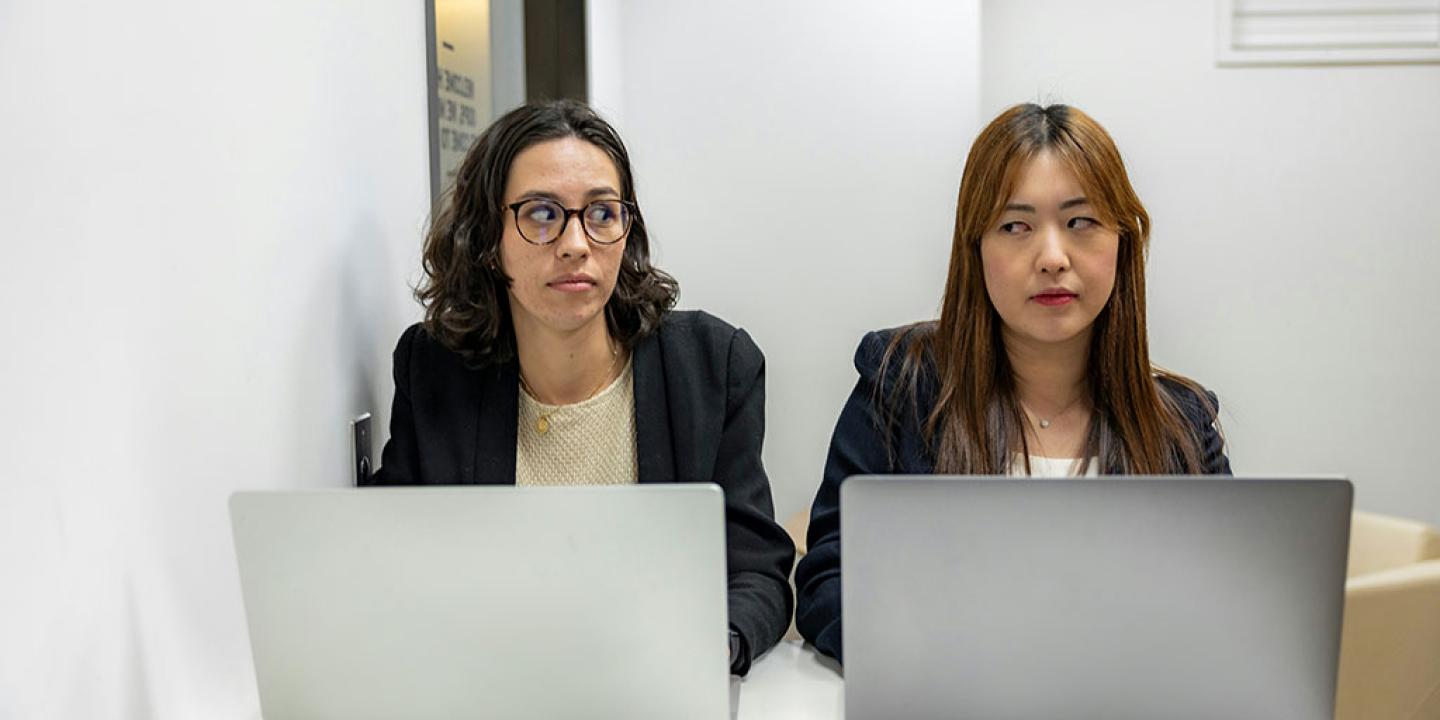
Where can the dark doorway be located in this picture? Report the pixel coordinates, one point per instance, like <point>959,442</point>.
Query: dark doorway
<point>555,50</point>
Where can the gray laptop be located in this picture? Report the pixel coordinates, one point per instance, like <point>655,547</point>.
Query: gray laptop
<point>1104,598</point>
<point>486,602</point>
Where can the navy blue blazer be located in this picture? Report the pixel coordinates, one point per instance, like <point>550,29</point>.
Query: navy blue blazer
<point>858,448</point>
<point>699,417</point>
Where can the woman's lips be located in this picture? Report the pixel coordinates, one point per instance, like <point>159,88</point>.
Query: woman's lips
<point>579,282</point>
<point>572,286</point>
<point>1053,299</point>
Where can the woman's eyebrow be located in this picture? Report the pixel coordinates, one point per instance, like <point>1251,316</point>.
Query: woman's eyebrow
<point>1022,207</point>
<point>592,193</point>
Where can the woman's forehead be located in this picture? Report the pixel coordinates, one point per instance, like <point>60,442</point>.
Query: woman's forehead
<point>563,164</point>
<point>1044,179</point>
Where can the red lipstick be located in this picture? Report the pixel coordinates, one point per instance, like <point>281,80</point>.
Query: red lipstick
<point>1055,297</point>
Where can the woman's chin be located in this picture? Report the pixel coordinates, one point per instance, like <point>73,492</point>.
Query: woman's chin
<point>1052,335</point>
<point>574,320</point>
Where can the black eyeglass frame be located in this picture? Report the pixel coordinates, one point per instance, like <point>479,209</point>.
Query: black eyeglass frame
<point>576,212</point>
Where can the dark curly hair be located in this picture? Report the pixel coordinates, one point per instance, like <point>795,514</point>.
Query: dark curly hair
<point>467,307</point>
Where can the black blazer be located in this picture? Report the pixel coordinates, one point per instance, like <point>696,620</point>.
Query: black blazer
<point>858,448</point>
<point>699,417</point>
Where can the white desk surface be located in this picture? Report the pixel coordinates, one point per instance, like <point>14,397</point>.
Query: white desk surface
<point>792,682</point>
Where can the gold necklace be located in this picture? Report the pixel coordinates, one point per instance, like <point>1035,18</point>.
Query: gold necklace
<point>542,423</point>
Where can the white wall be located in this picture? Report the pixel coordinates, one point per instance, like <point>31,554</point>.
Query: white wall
<point>605,41</point>
<point>1297,230</point>
<point>797,163</point>
<point>209,212</point>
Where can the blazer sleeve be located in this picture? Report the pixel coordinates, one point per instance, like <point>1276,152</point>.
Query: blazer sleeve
<point>1201,409</point>
<point>400,460</point>
<point>759,552</point>
<point>1212,441</point>
<point>857,448</point>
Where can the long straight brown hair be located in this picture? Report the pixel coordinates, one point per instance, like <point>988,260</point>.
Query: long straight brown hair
<point>976,424</point>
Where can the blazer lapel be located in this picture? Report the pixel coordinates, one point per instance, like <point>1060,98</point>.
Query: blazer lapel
<point>496,411</point>
<point>655,456</point>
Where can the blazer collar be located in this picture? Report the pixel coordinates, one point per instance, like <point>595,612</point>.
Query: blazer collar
<point>497,408</point>
<point>655,455</point>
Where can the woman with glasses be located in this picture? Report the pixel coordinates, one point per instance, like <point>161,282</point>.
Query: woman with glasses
<point>1038,365</point>
<point>550,353</point>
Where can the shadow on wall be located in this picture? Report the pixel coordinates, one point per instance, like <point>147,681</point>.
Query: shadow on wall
<point>141,690</point>
<point>347,372</point>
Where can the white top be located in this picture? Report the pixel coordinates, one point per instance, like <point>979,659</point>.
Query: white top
<point>1053,467</point>
<point>591,442</point>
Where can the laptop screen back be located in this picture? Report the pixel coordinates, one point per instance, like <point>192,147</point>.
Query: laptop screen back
<point>1114,598</point>
<point>486,602</point>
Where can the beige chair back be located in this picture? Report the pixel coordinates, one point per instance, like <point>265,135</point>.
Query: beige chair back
<point>1390,645</point>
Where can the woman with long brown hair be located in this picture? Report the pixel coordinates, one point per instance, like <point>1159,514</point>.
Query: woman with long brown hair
<point>1038,365</point>
<point>550,353</point>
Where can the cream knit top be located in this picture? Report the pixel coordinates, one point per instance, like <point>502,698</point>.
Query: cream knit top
<point>591,442</point>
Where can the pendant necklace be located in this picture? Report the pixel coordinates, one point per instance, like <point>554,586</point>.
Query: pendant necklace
<point>1044,423</point>
<point>542,423</point>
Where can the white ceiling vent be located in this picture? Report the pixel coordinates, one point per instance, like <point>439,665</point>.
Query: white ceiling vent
<point>1328,32</point>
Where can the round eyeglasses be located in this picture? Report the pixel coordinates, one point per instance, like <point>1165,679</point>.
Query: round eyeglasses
<point>541,221</point>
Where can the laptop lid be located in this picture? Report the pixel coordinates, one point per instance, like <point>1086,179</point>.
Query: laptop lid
<point>1092,598</point>
<point>486,602</point>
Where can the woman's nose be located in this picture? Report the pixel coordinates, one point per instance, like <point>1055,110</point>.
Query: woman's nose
<point>572,241</point>
<point>1053,257</point>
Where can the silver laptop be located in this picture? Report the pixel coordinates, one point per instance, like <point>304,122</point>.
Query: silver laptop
<point>486,602</point>
<point>1104,598</point>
